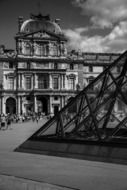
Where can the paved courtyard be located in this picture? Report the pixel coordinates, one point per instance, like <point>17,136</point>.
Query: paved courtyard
<point>39,172</point>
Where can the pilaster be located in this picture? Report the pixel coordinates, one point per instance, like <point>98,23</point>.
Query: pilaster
<point>35,103</point>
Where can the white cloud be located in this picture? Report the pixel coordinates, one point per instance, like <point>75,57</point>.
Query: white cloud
<point>81,42</point>
<point>103,13</point>
<point>81,29</point>
<point>115,41</point>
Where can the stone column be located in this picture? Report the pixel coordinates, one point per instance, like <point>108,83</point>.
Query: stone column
<point>61,103</point>
<point>59,79</point>
<point>19,78</point>
<point>64,101</point>
<point>36,81</point>
<point>66,83</point>
<point>33,81</point>
<point>44,49</point>
<point>61,82</point>
<point>23,108</point>
<point>50,81</point>
<point>51,107</point>
<point>74,88</point>
<point>5,86</point>
<point>2,104</point>
<point>20,81</point>
<point>19,105</point>
<point>23,81</point>
<point>35,103</point>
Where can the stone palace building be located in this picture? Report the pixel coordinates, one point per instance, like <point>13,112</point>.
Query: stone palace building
<point>40,75</point>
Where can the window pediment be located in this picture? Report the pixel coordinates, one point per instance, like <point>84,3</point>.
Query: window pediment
<point>27,74</point>
<point>71,76</point>
<point>10,75</point>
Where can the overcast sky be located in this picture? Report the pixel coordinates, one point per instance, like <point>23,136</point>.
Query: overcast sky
<point>90,25</point>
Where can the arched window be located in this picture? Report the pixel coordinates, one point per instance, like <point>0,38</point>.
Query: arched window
<point>11,105</point>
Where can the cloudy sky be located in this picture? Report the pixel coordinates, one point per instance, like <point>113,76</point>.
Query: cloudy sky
<point>90,25</point>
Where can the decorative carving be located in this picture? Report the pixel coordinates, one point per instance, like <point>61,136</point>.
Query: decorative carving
<point>40,17</point>
<point>71,76</point>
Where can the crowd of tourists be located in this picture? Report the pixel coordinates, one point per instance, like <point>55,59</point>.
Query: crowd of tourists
<point>7,120</point>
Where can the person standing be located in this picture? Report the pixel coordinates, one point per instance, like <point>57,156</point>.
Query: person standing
<point>3,121</point>
<point>37,118</point>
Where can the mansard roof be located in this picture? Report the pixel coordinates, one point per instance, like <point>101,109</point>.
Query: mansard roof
<point>93,58</point>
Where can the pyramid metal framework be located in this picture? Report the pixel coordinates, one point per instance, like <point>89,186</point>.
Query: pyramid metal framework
<point>93,117</point>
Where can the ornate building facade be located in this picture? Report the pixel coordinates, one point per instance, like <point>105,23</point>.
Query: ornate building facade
<point>40,75</point>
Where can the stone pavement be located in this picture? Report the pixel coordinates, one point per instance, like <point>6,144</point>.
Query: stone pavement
<point>23,171</point>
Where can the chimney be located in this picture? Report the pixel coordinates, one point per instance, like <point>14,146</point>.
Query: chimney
<point>20,22</point>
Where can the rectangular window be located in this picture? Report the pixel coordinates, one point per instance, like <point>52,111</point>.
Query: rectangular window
<point>10,65</point>
<point>71,66</point>
<point>55,97</point>
<point>90,68</point>
<point>43,82</point>
<point>28,82</point>
<point>71,83</point>
<point>63,81</point>
<point>27,48</point>
<point>11,83</point>
<point>55,65</point>
<point>55,82</point>
<point>40,83</point>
